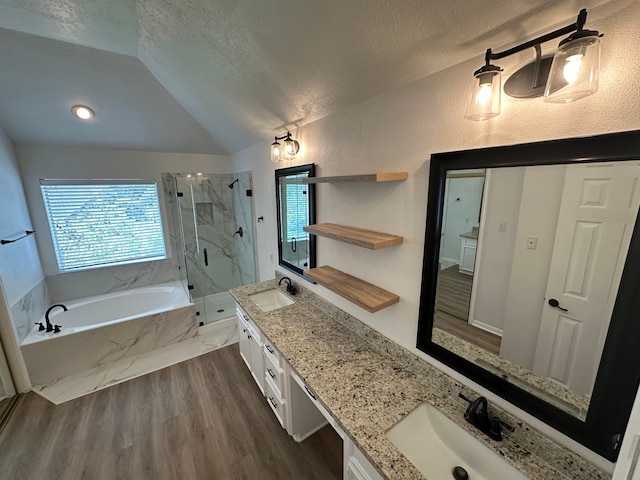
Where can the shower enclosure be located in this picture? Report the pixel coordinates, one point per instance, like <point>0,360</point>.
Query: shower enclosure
<point>211,223</point>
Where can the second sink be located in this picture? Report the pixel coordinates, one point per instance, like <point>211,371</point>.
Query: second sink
<point>270,300</point>
<point>436,445</point>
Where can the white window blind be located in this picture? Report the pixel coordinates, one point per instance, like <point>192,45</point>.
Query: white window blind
<point>297,208</point>
<point>97,223</point>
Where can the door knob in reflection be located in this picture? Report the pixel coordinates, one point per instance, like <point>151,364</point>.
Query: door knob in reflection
<point>556,304</point>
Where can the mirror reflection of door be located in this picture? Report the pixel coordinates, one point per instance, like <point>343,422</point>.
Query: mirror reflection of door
<point>556,233</point>
<point>597,214</point>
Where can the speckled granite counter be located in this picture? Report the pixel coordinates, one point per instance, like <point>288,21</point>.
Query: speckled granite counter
<point>368,383</point>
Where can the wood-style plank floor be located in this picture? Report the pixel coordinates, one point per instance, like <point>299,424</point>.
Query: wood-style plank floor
<point>453,296</point>
<point>202,419</point>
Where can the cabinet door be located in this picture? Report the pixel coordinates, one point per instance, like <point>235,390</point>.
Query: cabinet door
<point>257,361</point>
<point>244,342</point>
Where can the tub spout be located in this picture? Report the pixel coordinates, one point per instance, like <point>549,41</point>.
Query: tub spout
<point>51,328</point>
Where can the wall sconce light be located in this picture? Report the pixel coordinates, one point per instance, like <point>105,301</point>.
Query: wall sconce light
<point>286,151</point>
<point>569,75</point>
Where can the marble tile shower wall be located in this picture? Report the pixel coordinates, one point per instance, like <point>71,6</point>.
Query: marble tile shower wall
<point>243,213</point>
<point>211,214</point>
<point>30,308</point>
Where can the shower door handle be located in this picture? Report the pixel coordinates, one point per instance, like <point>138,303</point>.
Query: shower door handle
<point>206,258</point>
<point>294,244</point>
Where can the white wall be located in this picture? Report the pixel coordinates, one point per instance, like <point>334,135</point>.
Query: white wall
<point>38,162</point>
<point>503,191</point>
<point>538,217</point>
<point>398,131</point>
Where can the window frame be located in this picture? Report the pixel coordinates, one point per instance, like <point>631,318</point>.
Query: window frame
<point>158,252</point>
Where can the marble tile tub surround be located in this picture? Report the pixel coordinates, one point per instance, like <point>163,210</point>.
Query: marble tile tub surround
<point>87,283</point>
<point>26,311</point>
<point>59,357</point>
<point>209,338</point>
<point>368,383</point>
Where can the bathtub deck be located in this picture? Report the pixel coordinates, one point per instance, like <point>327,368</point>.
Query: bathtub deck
<point>199,420</point>
<point>209,338</point>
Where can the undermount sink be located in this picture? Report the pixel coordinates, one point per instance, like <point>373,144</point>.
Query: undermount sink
<point>436,445</point>
<point>270,300</point>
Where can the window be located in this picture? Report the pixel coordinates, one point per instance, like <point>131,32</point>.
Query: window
<point>97,223</point>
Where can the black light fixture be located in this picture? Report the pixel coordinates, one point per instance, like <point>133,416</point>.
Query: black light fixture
<point>572,73</point>
<point>286,151</point>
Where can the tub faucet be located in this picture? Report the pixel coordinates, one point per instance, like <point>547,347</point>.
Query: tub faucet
<point>291,289</point>
<point>51,328</point>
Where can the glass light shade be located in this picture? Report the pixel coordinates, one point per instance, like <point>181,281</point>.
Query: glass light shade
<point>574,71</point>
<point>276,152</point>
<point>484,95</point>
<point>290,149</point>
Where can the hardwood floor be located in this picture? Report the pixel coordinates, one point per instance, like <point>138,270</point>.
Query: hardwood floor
<point>453,296</point>
<point>201,419</point>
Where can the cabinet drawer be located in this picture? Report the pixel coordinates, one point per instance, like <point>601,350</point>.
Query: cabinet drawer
<point>273,373</point>
<point>271,352</point>
<point>275,402</point>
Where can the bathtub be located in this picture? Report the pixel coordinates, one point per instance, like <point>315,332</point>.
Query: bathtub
<point>106,328</point>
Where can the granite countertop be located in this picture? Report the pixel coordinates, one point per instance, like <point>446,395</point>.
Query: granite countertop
<point>368,391</point>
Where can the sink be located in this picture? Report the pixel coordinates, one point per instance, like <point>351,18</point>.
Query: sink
<point>270,300</point>
<point>436,445</point>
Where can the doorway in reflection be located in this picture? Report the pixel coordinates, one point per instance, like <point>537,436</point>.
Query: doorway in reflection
<point>458,249</point>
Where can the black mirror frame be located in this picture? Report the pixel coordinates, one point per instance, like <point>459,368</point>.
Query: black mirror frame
<point>618,376</point>
<point>310,169</point>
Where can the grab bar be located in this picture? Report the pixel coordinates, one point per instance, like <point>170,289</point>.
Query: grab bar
<point>26,234</point>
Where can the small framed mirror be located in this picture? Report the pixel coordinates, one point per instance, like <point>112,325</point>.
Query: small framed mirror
<point>296,208</point>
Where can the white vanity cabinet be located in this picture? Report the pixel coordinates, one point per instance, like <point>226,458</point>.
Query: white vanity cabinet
<point>468,249</point>
<point>356,465</point>
<point>294,403</point>
<point>250,341</point>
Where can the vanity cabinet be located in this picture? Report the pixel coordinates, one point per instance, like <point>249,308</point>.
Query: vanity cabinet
<point>468,249</point>
<point>292,401</point>
<point>250,341</point>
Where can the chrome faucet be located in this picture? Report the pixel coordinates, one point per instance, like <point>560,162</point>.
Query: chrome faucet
<point>477,414</point>
<point>52,328</point>
<point>291,289</point>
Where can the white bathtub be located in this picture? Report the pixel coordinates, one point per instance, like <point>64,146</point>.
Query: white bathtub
<point>105,328</point>
<point>110,308</point>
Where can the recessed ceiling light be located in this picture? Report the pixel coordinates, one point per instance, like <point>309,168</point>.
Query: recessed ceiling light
<point>82,112</point>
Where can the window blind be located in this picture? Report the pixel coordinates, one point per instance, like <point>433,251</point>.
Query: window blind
<point>103,222</point>
<point>297,208</point>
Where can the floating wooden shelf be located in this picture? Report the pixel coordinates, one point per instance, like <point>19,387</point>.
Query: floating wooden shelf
<point>355,236</point>
<point>362,293</point>
<point>373,177</point>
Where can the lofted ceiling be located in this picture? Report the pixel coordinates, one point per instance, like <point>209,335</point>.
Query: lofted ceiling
<point>216,76</point>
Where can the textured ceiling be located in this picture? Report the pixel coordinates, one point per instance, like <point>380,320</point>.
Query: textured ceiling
<point>247,69</point>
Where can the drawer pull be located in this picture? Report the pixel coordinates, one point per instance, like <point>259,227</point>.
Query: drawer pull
<point>249,337</point>
<point>270,372</point>
<point>268,347</point>
<point>244,330</point>
<point>310,393</point>
<point>275,405</point>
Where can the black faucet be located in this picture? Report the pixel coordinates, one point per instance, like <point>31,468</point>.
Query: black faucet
<point>51,328</point>
<point>477,414</point>
<point>291,289</point>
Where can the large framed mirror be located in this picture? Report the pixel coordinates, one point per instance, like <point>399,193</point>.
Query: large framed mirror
<point>296,208</point>
<point>530,278</point>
